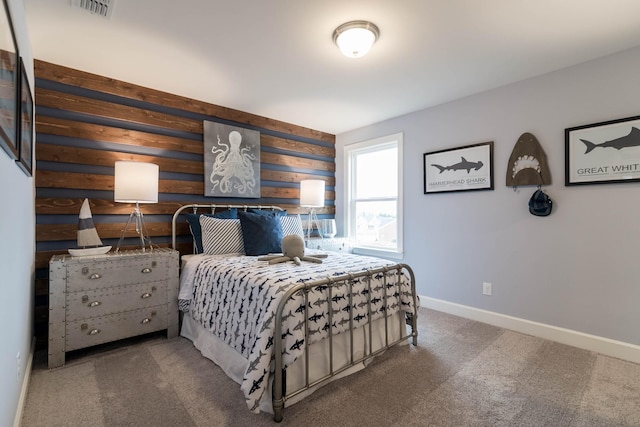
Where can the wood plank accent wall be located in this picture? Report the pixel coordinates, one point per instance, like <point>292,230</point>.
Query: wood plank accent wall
<point>86,122</point>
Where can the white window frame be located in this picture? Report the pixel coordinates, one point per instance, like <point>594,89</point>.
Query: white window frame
<point>367,147</point>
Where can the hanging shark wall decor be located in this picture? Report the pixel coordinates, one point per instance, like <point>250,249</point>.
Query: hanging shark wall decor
<point>528,163</point>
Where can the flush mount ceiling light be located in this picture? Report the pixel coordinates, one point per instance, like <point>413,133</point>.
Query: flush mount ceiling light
<point>355,38</point>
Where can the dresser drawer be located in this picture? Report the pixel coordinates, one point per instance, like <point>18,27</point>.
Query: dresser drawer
<point>100,302</point>
<point>98,330</point>
<point>114,272</point>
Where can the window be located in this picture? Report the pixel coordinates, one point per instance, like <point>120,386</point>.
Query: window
<point>373,196</point>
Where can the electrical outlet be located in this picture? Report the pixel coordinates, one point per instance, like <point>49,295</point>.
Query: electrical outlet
<point>486,288</point>
<point>18,367</point>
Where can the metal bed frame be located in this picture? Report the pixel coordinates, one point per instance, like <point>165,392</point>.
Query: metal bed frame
<point>212,207</point>
<point>347,281</point>
<point>411,318</point>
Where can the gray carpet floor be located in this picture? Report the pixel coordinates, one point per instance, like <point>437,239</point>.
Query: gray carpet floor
<point>462,373</point>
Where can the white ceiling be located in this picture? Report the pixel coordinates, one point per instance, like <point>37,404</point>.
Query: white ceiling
<point>276,58</point>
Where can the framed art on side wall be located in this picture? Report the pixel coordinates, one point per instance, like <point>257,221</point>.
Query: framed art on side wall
<point>603,153</point>
<point>25,136</point>
<point>8,84</point>
<point>465,168</point>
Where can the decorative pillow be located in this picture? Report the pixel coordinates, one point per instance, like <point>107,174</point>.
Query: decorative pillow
<point>291,224</point>
<point>221,236</point>
<point>262,234</point>
<point>196,231</point>
<point>267,212</point>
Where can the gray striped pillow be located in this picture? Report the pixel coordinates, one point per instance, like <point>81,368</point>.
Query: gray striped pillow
<point>221,236</point>
<point>291,224</point>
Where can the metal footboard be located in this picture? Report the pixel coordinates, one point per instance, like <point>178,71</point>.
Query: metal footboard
<point>332,283</point>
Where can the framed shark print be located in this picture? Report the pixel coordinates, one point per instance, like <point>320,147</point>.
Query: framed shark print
<point>9,82</point>
<point>603,153</point>
<point>459,169</point>
<point>25,123</point>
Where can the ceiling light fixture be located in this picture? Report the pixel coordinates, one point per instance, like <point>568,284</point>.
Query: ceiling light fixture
<point>355,38</point>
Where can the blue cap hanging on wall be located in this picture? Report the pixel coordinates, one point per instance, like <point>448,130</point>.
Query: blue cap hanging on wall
<point>540,204</point>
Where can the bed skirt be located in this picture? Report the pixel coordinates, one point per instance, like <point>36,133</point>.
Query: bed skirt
<point>235,365</point>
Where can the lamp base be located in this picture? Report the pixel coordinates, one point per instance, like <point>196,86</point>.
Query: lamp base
<point>137,218</point>
<point>312,218</point>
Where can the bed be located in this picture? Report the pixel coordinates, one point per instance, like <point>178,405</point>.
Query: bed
<point>283,330</point>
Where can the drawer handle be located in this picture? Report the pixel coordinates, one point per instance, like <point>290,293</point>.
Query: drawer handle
<point>94,332</point>
<point>95,304</point>
<point>146,295</point>
<point>95,276</point>
<point>146,270</point>
<point>145,320</point>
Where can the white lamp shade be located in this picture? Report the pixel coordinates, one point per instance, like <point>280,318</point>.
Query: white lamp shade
<point>136,182</point>
<point>312,193</point>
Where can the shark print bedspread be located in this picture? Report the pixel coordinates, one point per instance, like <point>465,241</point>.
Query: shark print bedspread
<point>236,297</point>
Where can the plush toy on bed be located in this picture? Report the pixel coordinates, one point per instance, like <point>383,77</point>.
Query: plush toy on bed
<point>292,250</point>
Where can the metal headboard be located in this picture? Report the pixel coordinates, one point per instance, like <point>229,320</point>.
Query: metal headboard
<point>212,208</point>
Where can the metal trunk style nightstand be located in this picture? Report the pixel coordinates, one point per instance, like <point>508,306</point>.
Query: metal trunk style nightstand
<point>103,298</point>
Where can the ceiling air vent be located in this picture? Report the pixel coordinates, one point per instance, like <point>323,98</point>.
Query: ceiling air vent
<point>97,7</point>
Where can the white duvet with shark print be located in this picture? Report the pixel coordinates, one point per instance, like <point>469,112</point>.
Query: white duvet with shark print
<point>235,298</point>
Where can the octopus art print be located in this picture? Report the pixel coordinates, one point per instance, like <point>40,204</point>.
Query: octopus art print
<point>232,161</point>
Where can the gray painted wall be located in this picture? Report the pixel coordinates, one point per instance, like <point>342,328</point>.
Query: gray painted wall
<point>577,268</point>
<point>17,256</point>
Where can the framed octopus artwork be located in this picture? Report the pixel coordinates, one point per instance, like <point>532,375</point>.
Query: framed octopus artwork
<point>231,161</point>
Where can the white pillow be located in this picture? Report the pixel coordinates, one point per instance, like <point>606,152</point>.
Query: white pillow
<point>221,236</point>
<point>291,224</point>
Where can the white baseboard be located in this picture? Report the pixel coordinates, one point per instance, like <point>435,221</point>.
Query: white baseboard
<point>25,385</point>
<point>606,346</point>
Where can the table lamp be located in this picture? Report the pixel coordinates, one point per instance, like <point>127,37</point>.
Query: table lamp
<point>312,196</point>
<point>136,182</point>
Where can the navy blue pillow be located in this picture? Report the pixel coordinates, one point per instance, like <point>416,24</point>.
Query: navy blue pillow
<point>267,212</point>
<point>196,230</point>
<point>262,234</point>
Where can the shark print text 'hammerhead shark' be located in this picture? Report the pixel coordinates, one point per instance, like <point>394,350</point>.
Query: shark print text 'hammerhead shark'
<point>630,140</point>
<point>464,164</point>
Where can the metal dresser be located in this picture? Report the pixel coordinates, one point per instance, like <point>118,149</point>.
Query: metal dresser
<point>103,298</point>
